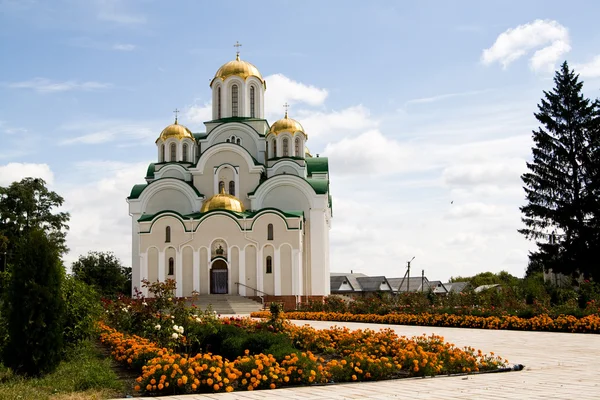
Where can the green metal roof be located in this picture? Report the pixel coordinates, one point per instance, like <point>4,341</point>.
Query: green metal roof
<point>245,214</point>
<point>320,186</point>
<point>317,164</point>
<point>150,171</point>
<point>199,135</point>
<point>137,190</point>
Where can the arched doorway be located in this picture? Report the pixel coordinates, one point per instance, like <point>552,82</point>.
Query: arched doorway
<point>218,277</point>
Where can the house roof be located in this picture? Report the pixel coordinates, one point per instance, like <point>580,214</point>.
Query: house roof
<point>337,281</point>
<point>456,287</point>
<point>351,279</point>
<point>485,287</point>
<point>373,283</point>
<point>437,287</point>
<point>412,284</point>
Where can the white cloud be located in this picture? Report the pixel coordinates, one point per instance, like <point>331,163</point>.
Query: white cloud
<point>325,126</point>
<point>13,172</point>
<point>549,37</point>
<point>590,69</point>
<point>44,85</point>
<point>198,114</point>
<point>281,89</point>
<point>504,172</point>
<point>446,96</point>
<point>108,131</point>
<point>123,47</point>
<point>473,210</point>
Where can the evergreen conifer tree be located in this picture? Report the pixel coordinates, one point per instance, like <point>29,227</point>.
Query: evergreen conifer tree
<point>561,185</point>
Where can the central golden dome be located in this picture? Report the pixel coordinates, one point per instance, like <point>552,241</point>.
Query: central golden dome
<point>237,67</point>
<point>175,130</point>
<point>286,125</point>
<point>222,201</point>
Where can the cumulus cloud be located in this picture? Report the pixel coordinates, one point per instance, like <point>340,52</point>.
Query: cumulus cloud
<point>590,69</point>
<point>549,37</point>
<point>282,89</point>
<point>473,210</point>
<point>197,114</point>
<point>13,172</point>
<point>500,173</point>
<point>326,125</point>
<point>43,85</point>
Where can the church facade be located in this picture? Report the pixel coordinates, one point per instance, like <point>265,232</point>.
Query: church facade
<point>241,209</point>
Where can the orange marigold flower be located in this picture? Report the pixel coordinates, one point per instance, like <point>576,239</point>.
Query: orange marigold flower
<point>229,389</point>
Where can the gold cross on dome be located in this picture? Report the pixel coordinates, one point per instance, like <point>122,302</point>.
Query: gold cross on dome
<point>237,45</point>
<point>286,106</point>
<point>176,112</point>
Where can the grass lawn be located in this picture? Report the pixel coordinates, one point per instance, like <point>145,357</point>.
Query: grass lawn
<point>85,374</point>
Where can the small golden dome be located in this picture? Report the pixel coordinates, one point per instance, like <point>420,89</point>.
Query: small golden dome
<point>222,201</point>
<point>237,67</point>
<point>307,152</point>
<point>175,130</point>
<point>286,125</point>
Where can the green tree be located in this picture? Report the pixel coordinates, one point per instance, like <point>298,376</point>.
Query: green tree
<point>561,185</point>
<point>26,205</point>
<point>34,306</point>
<point>104,271</point>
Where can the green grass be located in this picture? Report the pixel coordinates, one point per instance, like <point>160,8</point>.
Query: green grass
<point>85,374</point>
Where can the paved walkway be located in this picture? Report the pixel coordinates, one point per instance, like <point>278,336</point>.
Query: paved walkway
<point>557,366</point>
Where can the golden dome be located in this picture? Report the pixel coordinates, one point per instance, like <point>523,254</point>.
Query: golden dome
<point>175,130</point>
<point>222,201</point>
<point>237,67</point>
<point>286,125</point>
<point>307,152</point>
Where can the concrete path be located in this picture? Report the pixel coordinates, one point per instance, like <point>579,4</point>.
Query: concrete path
<point>557,366</point>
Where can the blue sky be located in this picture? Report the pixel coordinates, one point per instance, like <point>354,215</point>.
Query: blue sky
<point>417,105</point>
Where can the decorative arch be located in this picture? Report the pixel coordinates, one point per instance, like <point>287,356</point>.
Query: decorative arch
<point>172,152</point>
<point>219,148</point>
<point>273,170</point>
<point>236,177</point>
<point>194,198</point>
<point>313,200</point>
<point>254,136</point>
<point>184,153</point>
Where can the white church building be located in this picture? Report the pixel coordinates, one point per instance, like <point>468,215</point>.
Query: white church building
<point>241,209</point>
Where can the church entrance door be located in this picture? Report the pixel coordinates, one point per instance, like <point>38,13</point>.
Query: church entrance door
<point>218,278</point>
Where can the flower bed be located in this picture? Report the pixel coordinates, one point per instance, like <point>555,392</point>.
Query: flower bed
<point>322,356</point>
<point>562,323</point>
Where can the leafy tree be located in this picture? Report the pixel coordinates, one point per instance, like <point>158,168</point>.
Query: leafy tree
<point>488,278</point>
<point>26,205</point>
<point>104,271</point>
<point>561,186</point>
<point>82,310</point>
<point>34,306</point>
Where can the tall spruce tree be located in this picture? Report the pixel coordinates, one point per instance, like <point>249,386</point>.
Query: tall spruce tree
<point>561,186</point>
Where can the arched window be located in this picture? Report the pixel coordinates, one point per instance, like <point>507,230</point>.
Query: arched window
<point>171,266</point>
<point>297,147</point>
<point>168,234</point>
<point>252,112</point>
<point>238,141</point>
<point>274,147</point>
<point>173,152</point>
<point>162,153</point>
<point>221,186</point>
<point>233,139</point>
<point>270,232</point>
<point>285,148</point>
<point>232,188</point>
<point>267,151</point>
<point>234,101</point>
<point>227,140</point>
<point>219,102</point>
<point>269,265</point>
<point>185,152</point>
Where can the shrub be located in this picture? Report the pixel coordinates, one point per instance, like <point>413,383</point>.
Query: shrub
<point>34,307</point>
<point>82,310</point>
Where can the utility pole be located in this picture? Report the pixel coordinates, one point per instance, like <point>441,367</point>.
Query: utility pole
<point>408,273</point>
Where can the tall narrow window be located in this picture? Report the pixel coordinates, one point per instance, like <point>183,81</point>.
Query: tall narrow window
<point>232,188</point>
<point>168,234</point>
<point>173,152</point>
<point>267,151</point>
<point>221,186</point>
<point>285,148</point>
<point>270,232</point>
<point>274,147</point>
<point>234,101</point>
<point>269,265</point>
<point>238,141</point>
<point>171,266</point>
<point>185,152</point>
<point>162,153</point>
<point>219,102</point>
<point>252,112</point>
<point>297,147</point>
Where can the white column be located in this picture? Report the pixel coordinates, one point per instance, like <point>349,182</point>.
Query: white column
<point>178,273</point>
<point>161,266</point>
<point>143,273</point>
<point>208,267</point>
<point>277,272</point>
<point>318,262</point>
<point>259,270</point>
<point>242,272</point>
<point>196,271</point>
<point>295,269</point>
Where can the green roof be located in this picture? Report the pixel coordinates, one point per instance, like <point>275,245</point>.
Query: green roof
<point>235,119</point>
<point>200,135</point>
<point>245,214</point>
<point>137,190</point>
<point>320,186</point>
<point>317,165</point>
<point>150,171</point>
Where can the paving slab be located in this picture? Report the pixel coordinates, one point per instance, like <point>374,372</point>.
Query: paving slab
<point>557,366</point>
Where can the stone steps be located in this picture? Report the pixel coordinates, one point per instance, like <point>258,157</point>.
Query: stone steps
<point>226,304</point>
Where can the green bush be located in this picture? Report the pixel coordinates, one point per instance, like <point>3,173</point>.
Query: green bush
<point>82,310</point>
<point>34,307</point>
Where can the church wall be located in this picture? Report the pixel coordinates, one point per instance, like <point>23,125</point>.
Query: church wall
<point>172,173</point>
<point>281,233</point>
<point>204,271</point>
<point>170,253</point>
<point>287,197</point>
<point>152,265</point>
<point>234,270</point>
<point>247,140</point>
<point>187,275</point>
<point>285,259</point>
<point>250,253</point>
<point>157,235</point>
<point>169,199</point>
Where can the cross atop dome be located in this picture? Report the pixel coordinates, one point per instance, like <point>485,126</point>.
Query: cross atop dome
<point>176,112</point>
<point>237,46</point>
<point>287,107</point>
